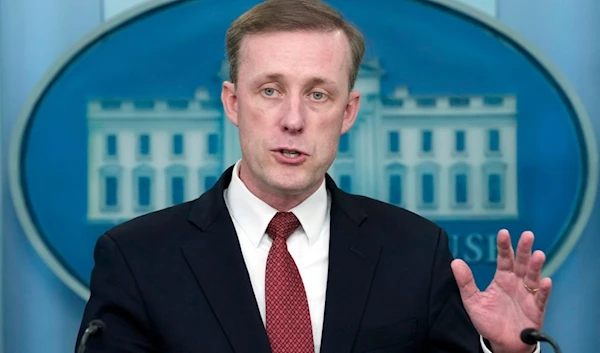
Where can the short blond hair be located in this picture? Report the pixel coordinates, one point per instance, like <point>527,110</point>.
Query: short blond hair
<point>292,15</point>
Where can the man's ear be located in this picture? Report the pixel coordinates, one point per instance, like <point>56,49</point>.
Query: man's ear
<point>351,111</point>
<point>230,103</point>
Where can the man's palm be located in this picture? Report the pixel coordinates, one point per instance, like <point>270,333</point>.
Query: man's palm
<point>507,306</point>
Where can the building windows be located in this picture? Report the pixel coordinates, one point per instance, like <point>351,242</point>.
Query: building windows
<point>494,188</point>
<point>394,141</point>
<point>346,182</point>
<point>213,144</point>
<point>427,189</point>
<point>426,102</point>
<point>459,102</point>
<point>177,190</point>
<point>459,145</point>
<point>494,174</point>
<point>144,191</point>
<point>396,178</point>
<point>459,185</point>
<point>389,102</point>
<point>108,104</point>
<point>178,104</point>
<point>143,181</point>
<point>209,181</point>
<point>143,104</point>
<point>395,189</point>
<point>426,141</point>
<point>427,180</point>
<point>344,175</point>
<point>144,145</point>
<point>111,191</point>
<point>207,177</point>
<point>344,145</point>
<point>176,184</point>
<point>111,146</point>
<point>460,189</point>
<point>494,140</point>
<point>493,101</point>
<point>110,188</point>
<point>177,145</point>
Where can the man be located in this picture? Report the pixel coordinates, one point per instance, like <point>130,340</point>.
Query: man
<point>275,257</point>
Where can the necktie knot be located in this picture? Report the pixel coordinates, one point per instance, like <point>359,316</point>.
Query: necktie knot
<point>282,225</point>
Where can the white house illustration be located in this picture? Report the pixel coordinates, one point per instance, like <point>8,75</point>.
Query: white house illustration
<point>444,157</point>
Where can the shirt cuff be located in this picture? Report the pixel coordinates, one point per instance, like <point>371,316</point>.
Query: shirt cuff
<point>487,350</point>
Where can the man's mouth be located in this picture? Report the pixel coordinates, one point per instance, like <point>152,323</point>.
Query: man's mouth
<point>290,153</point>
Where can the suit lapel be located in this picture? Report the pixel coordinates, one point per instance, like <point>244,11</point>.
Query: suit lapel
<point>352,261</point>
<point>216,260</point>
<point>215,257</point>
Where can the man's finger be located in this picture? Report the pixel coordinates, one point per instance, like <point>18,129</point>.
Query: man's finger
<point>534,269</point>
<point>464,279</point>
<point>523,254</point>
<point>542,295</point>
<point>506,256</point>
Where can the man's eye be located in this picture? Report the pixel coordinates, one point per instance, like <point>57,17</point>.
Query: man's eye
<point>318,95</point>
<point>269,91</point>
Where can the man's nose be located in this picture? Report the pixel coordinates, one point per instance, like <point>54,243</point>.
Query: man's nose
<point>293,119</point>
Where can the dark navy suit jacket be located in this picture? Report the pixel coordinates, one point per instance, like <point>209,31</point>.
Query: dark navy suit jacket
<point>175,281</point>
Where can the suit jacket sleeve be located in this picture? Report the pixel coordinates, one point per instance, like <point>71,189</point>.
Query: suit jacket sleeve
<point>450,328</point>
<point>116,300</point>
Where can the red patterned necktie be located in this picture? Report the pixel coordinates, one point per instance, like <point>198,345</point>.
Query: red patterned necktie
<point>288,318</point>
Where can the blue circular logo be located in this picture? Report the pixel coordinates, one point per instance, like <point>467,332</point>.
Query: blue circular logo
<point>460,122</point>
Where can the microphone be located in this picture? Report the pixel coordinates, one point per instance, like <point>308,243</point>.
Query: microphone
<point>93,327</point>
<point>533,336</point>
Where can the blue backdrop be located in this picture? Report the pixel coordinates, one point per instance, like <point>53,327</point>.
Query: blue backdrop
<point>41,315</point>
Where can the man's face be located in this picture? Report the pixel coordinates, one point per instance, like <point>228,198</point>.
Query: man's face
<point>291,104</point>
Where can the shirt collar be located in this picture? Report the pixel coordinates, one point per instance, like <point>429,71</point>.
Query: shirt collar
<point>253,215</point>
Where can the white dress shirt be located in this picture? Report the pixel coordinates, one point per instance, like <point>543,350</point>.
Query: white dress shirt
<point>308,245</point>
